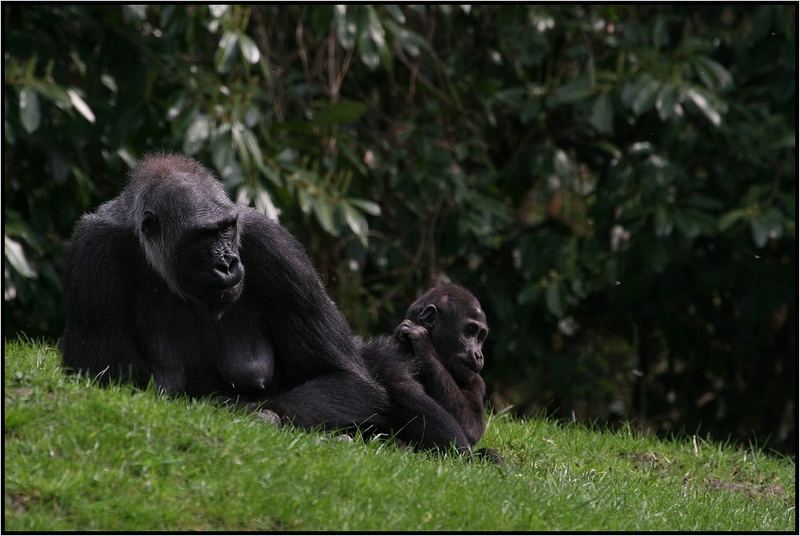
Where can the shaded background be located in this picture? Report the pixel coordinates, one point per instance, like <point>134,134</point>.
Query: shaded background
<point>617,184</point>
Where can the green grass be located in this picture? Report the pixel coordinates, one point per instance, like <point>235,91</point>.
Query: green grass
<point>82,458</point>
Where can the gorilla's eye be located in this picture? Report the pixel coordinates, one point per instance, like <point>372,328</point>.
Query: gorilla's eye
<point>227,226</point>
<point>482,335</point>
<point>149,224</point>
<point>471,330</point>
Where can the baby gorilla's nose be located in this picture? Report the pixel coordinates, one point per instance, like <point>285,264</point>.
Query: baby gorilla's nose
<point>478,356</point>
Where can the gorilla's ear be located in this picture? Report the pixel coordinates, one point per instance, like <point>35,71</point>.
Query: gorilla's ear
<point>149,223</point>
<point>427,318</point>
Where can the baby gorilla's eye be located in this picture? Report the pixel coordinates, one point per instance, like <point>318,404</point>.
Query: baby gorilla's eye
<point>482,335</point>
<point>471,330</point>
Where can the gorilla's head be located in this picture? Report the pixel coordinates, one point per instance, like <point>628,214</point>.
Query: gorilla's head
<point>457,327</point>
<point>187,227</point>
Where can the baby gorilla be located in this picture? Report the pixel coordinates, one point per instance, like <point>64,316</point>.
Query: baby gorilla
<point>431,371</point>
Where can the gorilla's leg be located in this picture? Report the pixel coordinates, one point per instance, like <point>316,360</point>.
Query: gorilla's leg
<point>418,419</point>
<point>334,400</point>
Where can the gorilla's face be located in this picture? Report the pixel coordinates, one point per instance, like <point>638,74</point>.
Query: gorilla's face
<point>191,237</point>
<point>457,327</point>
<point>207,261</point>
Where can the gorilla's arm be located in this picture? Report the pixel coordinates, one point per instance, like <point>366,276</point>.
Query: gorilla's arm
<point>464,403</point>
<point>412,415</point>
<point>97,338</point>
<point>318,365</point>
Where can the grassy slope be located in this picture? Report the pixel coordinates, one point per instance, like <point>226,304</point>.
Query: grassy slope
<point>78,457</point>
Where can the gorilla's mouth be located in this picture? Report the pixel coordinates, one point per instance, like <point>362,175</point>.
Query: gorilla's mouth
<point>231,293</point>
<point>470,365</point>
<point>215,296</point>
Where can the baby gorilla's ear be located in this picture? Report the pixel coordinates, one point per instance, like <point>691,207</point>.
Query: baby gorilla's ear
<point>428,316</point>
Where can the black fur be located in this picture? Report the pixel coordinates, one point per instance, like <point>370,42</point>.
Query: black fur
<point>171,281</point>
<point>430,369</point>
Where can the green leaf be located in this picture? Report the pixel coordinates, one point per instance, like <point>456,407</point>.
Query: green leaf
<point>562,164</point>
<point>222,153</point>
<point>305,200</point>
<point>369,207</point>
<point>411,42</point>
<point>344,111</point>
<point>691,222</point>
<point>712,73</point>
<point>702,101</point>
<point>661,33</point>
<point>134,11</point>
<point>760,233</point>
<point>356,221</point>
<point>687,225</point>
<point>218,10</point>
<point>704,202</point>
<point>731,218</point>
<point>367,50</point>
<point>602,117</point>
<point>56,94</point>
<point>126,157</point>
<point>554,297</point>
<point>271,173</point>
<point>646,95</point>
<point>372,42</point>
<point>241,146</point>
<point>324,213</point>
<point>29,114</point>
<point>346,28</point>
<point>663,221</point>
<point>667,102</point>
<point>264,204</point>
<point>576,89</point>
<point>766,225</point>
<point>529,295</point>
<point>197,134</point>
<point>80,105</point>
<point>227,46</point>
<point>249,49</point>
<point>530,110</point>
<point>253,148</point>
<point>12,250</point>
<point>251,117</point>
<point>108,81</point>
<point>395,12</point>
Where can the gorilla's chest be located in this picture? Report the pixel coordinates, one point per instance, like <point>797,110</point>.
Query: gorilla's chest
<point>202,352</point>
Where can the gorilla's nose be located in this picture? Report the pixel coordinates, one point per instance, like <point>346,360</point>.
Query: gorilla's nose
<point>228,271</point>
<point>479,361</point>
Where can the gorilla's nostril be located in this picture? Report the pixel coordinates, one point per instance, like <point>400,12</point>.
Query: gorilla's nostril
<point>227,265</point>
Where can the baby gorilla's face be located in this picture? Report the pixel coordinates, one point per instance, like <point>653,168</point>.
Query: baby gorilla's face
<point>458,329</point>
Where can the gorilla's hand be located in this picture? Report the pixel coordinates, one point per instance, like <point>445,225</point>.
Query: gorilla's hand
<point>417,338</point>
<point>408,332</point>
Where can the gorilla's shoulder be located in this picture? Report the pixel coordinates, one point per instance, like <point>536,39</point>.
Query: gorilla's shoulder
<point>101,225</point>
<point>104,232</point>
<point>252,219</point>
<point>259,231</point>
<point>386,359</point>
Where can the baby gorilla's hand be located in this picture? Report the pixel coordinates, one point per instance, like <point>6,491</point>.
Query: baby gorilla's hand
<point>417,340</point>
<point>409,332</point>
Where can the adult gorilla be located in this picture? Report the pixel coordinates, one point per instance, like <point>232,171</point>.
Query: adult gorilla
<point>172,282</point>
